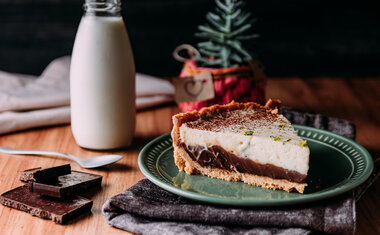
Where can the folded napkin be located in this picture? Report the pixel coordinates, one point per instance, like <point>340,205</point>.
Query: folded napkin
<point>147,209</point>
<point>29,101</point>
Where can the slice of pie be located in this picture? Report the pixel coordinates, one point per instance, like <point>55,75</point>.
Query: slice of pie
<point>242,142</point>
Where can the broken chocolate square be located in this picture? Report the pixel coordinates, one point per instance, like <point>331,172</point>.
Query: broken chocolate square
<point>44,175</point>
<point>58,210</point>
<point>66,185</point>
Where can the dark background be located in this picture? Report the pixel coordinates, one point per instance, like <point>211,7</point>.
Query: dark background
<point>298,37</point>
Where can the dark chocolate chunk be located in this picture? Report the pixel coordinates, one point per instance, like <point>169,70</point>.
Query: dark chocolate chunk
<point>58,210</point>
<point>44,175</point>
<point>66,185</point>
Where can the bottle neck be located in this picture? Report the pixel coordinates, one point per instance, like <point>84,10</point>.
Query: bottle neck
<point>102,8</point>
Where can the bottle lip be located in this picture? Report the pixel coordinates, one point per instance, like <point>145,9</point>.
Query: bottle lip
<point>102,7</point>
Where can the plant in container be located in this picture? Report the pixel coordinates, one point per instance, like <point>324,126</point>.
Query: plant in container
<point>236,74</point>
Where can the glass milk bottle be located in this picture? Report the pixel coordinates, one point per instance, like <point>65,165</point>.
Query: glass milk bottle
<point>102,79</point>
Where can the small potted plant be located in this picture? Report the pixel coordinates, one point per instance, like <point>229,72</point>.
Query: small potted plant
<point>236,74</point>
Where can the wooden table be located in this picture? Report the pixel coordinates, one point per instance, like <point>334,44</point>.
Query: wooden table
<point>357,100</point>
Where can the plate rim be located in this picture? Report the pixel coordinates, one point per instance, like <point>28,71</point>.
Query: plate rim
<point>254,202</point>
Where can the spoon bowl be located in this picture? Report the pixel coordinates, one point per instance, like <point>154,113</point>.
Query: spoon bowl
<point>85,163</point>
<point>98,161</point>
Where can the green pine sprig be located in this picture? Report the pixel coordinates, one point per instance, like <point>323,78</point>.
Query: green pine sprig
<point>224,32</point>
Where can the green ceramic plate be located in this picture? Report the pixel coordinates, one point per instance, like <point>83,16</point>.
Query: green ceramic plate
<point>337,165</point>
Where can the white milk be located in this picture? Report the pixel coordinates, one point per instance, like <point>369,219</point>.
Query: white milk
<point>102,84</point>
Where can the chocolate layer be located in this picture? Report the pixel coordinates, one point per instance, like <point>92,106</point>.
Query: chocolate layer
<point>217,157</point>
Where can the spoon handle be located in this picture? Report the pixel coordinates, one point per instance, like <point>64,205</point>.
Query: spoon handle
<point>34,152</point>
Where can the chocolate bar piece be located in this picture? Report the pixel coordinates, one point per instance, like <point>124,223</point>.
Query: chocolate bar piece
<point>44,175</point>
<point>66,185</point>
<point>58,210</point>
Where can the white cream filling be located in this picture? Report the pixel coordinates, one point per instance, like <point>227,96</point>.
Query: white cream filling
<point>281,147</point>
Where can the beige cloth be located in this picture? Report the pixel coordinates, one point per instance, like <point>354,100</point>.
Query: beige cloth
<point>29,101</point>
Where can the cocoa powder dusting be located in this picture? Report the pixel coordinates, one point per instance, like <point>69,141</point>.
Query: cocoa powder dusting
<point>236,120</point>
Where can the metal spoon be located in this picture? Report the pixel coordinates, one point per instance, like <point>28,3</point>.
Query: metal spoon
<point>85,163</point>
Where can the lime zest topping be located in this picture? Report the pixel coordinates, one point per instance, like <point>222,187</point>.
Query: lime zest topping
<point>275,138</point>
<point>303,143</point>
<point>286,141</point>
<point>248,132</point>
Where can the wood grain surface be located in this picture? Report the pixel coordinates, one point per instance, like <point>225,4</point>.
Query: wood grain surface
<point>357,100</point>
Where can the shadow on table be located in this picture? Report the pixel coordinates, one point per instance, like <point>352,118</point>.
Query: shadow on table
<point>79,218</point>
<point>115,167</point>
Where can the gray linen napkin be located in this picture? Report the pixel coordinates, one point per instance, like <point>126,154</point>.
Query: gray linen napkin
<point>147,209</point>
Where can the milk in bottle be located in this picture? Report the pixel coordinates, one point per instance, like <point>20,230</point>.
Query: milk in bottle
<point>102,79</point>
